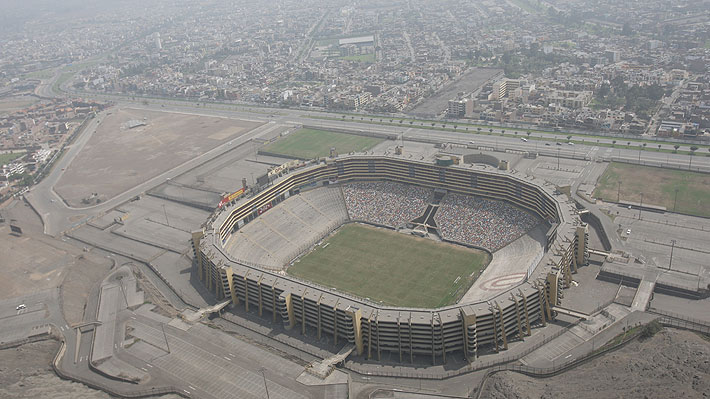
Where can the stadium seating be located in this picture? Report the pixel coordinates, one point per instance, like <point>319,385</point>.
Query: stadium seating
<point>482,222</point>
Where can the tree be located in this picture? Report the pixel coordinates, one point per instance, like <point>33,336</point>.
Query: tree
<point>502,132</point>
<point>410,123</point>
<point>676,147</point>
<point>479,129</point>
<point>692,152</point>
<point>433,124</point>
<point>528,133</point>
<point>659,147</point>
<point>569,138</point>
<point>490,130</point>
<point>455,126</point>
<point>613,143</point>
<point>628,143</point>
<point>443,125</point>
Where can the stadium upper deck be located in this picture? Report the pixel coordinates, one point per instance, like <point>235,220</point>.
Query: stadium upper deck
<point>374,328</point>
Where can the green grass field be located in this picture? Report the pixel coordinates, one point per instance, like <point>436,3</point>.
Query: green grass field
<point>311,143</point>
<point>391,267</point>
<point>368,58</point>
<point>7,157</point>
<point>658,187</point>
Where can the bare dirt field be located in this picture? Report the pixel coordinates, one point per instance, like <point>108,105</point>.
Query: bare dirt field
<point>117,158</point>
<point>26,372</point>
<point>672,364</point>
<point>33,261</point>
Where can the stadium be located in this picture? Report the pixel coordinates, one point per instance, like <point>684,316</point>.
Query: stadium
<point>269,249</point>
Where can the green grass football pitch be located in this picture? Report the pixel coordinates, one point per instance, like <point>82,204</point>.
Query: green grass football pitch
<point>392,268</point>
<point>312,143</point>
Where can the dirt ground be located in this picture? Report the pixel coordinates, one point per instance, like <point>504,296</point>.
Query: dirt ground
<point>672,364</point>
<point>41,262</point>
<point>37,261</point>
<point>26,372</point>
<point>117,158</point>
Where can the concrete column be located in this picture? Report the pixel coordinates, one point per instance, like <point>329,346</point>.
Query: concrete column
<point>356,315</point>
<point>318,322</point>
<point>495,328</point>
<point>527,316</point>
<point>232,291</point>
<point>258,285</point>
<point>517,315</point>
<point>246,291</point>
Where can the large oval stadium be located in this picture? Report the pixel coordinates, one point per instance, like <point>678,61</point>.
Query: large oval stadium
<point>400,258</point>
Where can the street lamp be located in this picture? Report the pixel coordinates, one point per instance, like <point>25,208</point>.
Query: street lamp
<point>264,377</point>
<point>640,206</point>
<point>676,199</point>
<point>670,264</point>
<point>618,192</point>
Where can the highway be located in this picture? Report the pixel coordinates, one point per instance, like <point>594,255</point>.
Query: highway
<point>57,216</point>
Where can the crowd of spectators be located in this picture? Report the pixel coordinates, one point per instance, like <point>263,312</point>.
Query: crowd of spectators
<point>386,203</point>
<point>481,222</point>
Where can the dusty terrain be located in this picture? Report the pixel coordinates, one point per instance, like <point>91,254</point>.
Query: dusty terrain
<point>26,372</point>
<point>38,262</point>
<point>117,158</point>
<point>672,364</point>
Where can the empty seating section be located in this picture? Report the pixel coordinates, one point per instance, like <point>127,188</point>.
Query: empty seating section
<point>386,203</point>
<point>482,222</point>
<point>284,232</point>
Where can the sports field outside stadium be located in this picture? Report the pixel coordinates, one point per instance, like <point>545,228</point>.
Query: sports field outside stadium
<point>313,143</point>
<point>658,187</point>
<point>392,268</point>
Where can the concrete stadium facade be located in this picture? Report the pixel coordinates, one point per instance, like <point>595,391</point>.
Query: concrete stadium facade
<point>375,329</point>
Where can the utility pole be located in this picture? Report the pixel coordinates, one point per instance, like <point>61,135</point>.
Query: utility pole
<point>670,264</point>
<point>618,192</point>
<point>264,377</point>
<point>640,206</point>
<point>162,326</point>
<point>558,159</point>
<point>166,215</point>
<point>676,199</point>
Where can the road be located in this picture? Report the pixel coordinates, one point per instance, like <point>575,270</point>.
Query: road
<point>57,216</point>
